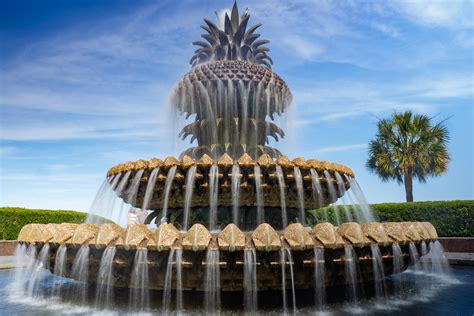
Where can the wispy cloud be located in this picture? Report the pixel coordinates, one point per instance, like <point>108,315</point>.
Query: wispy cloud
<point>342,148</point>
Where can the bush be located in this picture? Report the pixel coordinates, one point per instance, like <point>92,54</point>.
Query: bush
<point>451,218</point>
<point>12,219</point>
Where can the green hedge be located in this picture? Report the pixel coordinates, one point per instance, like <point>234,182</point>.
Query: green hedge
<point>451,218</point>
<point>12,219</point>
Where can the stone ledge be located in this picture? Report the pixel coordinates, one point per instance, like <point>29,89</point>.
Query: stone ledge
<point>457,244</point>
<point>7,247</point>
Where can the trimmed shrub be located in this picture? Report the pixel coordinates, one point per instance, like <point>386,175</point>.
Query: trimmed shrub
<point>12,219</point>
<point>451,218</point>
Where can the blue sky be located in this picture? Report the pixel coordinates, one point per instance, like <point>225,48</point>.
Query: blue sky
<point>85,84</point>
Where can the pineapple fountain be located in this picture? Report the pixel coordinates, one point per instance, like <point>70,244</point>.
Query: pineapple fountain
<point>230,215</point>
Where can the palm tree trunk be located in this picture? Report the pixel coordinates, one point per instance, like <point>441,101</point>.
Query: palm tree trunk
<point>408,180</point>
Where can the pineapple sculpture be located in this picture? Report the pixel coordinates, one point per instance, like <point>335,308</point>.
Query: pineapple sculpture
<point>230,92</point>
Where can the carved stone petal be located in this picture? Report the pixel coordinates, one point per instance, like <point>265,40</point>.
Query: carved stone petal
<point>420,227</point>
<point>165,236</point>
<point>411,232</point>
<point>265,160</point>
<point>110,234</point>
<point>225,161</point>
<point>297,237</point>
<point>313,163</point>
<point>30,232</point>
<point>85,234</point>
<point>395,231</point>
<point>353,233</point>
<point>431,230</point>
<point>141,164</point>
<point>327,235</point>
<point>246,161</point>
<point>231,238</point>
<point>138,236</point>
<point>205,161</point>
<point>64,232</point>
<point>170,162</point>
<point>284,162</point>
<point>155,163</point>
<point>299,162</point>
<point>266,238</point>
<point>187,162</point>
<point>197,238</point>
<point>376,232</point>
<point>47,233</point>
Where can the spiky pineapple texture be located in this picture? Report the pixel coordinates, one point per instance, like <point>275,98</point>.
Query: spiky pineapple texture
<point>234,42</point>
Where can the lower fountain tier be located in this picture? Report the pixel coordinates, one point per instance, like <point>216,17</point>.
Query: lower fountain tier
<point>308,184</point>
<point>232,244</point>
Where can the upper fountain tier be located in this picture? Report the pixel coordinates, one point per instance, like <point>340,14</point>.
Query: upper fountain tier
<point>231,90</point>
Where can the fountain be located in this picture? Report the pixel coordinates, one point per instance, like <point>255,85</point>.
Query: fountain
<point>231,212</point>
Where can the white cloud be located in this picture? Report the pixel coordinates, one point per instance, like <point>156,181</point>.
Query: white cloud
<point>342,148</point>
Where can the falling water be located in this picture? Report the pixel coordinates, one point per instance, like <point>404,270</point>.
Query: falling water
<point>60,267</point>
<point>80,273</point>
<point>350,273</point>
<point>150,188</point>
<point>235,193</point>
<point>188,195</point>
<point>212,286</point>
<point>342,191</point>
<point>299,189</point>
<point>105,281</point>
<point>250,281</point>
<point>259,193</point>
<point>103,202</point>
<point>166,192</point>
<point>398,266</point>
<point>37,275</point>
<point>22,263</point>
<point>379,275</point>
<point>332,194</point>
<point>424,252</point>
<point>439,262</point>
<point>175,255</point>
<point>131,194</point>
<point>284,255</point>
<point>319,277</point>
<point>118,191</point>
<point>318,191</point>
<point>213,195</point>
<point>414,257</point>
<point>360,197</point>
<point>281,184</point>
<point>139,294</point>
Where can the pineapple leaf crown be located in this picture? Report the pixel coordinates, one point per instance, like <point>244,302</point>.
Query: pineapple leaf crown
<point>235,42</point>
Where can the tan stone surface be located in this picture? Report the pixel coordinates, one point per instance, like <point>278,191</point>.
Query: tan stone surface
<point>376,232</point>
<point>353,233</point>
<point>30,232</point>
<point>395,231</point>
<point>433,234</point>
<point>110,234</point>
<point>265,238</point>
<point>225,161</point>
<point>165,236</point>
<point>231,238</point>
<point>138,236</point>
<point>64,233</point>
<point>411,232</point>
<point>327,234</point>
<point>420,227</point>
<point>298,237</point>
<point>197,238</point>
<point>85,234</point>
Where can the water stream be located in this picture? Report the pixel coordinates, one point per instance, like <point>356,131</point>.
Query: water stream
<point>250,281</point>
<point>282,187</point>
<point>212,295</point>
<point>139,294</point>
<point>188,194</point>
<point>105,280</point>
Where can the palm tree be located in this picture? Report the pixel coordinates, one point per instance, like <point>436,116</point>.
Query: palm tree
<point>409,146</point>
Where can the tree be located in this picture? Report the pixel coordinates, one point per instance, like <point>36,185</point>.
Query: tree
<point>409,146</point>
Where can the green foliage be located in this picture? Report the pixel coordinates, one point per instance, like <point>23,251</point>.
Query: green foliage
<point>451,218</point>
<point>12,219</point>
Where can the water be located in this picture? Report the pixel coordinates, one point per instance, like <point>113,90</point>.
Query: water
<point>166,192</point>
<point>259,194</point>
<point>332,195</point>
<point>139,294</point>
<point>379,276</point>
<point>414,256</point>
<point>398,265</point>
<point>80,272</point>
<point>342,190</point>
<point>281,185</point>
<point>351,275</point>
<point>299,189</point>
<point>150,188</point>
<point>317,190</point>
<point>174,259</point>
<point>250,281</point>
<point>105,280</point>
<point>212,296</point>
<point>59,267</point>
<point>319,277</point>
<point>367,214</point>
<point>188,194</point>
<point>109,207</point>
<point>286,257</point>
<point>213,196</point>
<point>439,262</point>
<point>37,273</point>
<point>235,187</point>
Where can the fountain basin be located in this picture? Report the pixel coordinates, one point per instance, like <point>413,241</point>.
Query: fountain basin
<point>232,244</point>
<point>269,183</point>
